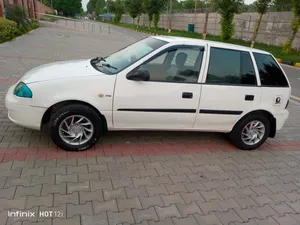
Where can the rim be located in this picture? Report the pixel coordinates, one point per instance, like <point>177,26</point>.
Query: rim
<point>253,132</point>
<point>76,130</point>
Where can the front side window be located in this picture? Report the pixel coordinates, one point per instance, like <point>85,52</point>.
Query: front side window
<point>230,67</point>
<point>180,64</point>
<point>120,60</point>
<point>269,71</point>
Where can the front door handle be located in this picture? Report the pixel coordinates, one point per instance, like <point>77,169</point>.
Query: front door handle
<point>249,97</point>
<point>187,95</point>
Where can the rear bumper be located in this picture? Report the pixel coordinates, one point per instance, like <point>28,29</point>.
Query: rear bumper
<point>281,119</point>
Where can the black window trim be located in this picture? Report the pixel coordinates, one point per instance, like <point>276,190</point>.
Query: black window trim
<point>271,86</point>
<point>201,48</point>
<point>244,85</point>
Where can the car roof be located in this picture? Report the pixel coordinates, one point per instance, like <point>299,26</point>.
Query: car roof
<point>194,41</point>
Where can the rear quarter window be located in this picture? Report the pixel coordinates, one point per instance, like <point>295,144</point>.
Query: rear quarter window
<point>270,73</point>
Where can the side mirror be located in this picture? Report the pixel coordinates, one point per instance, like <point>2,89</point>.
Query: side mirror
<point>139,75</point>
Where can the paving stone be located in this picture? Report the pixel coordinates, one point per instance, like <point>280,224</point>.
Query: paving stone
<point>151,201</point>
<point>167,212</point>
<point>104,175</point>
<point>275,188</point>
<point>110,205</point>
<point>193,196</point>
<point>110,194</point>
<point>268,221</point>
<point>106,184</point>
<point>23,191</point>
<point>260,190</point>
<point>85,209</point>
<point>85,196</point>
<point>64,199</point>
<point>117,166</point>
<point>162,222</point>
<point>133,203</point>
<point>172,199</point>
<point>189,209</point>
<point>228,204</point>
<point>127,182</point>
<point>293,196</point>
<point>6,166</point>
<point>209,219</point>
<point>289,187</point>
<point>184,221</point>
<point>262,200</point>
<point>17,203</point>
<point>295,206</point>
<point>195,177</point>
<point>56,170</point>
<point>246,202</point>
<point>32,171</point>
<point>67,162</point>
<point>265,211</point>
<point>179,178</point>
<point>209,185</point>
<point>243,182</point>
<point>143,215</point>
<point>115,218</point>
<point>71,221</point>
<point>211,206</point>
<point>47,179</point>
<point>228,193</point>
<point>23,164</point>
<point>142,181</point>
<point>247,214</point>
<point>83,186</point>
<point>195,186</point>
<point>246,191</point>
<point>147,173</point>
<point>156,190</point>
<point>278,198</point>
<point>286,220</point>
<point>77,169</point>
<point>7,192</point>
<point>51,189</point>
<point>230,183</point>
<point>12,181</point>
<point>282,208</point>
<point>45,222</point>
<point>88,176</point>
<point>161,180</point>
<point>123,159</point>
<point>86,161</point>
<point>107,159</point>
<point>100,219</point>
<point>30,216</point>
<point>135,166</point>
<point>66,178</point>
<point>228,217</point>
<point>165,171</point>
<point>99,167</point>
<point>47,163</point>
<point>211,195</point>
<point>2,182</point>
<point>33,201</point>
<point>140,158</point>
<point>57,212</point>
<point>153,165</point>
<point>174,188</point>
<point>136,192</point>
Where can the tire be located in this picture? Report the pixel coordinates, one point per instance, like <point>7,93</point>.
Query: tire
<point>235,135</point>
<point>75,111</point>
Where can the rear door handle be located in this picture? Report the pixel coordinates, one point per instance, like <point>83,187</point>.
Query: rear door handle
<point>249,97</point>
<point>187,95</point>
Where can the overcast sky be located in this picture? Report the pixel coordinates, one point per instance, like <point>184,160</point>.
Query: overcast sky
<point>84,3</point>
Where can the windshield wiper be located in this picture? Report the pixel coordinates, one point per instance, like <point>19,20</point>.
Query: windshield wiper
<point>109,66</point>
<point>98,59</point>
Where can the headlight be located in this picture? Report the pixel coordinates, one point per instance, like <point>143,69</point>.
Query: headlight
<point>23,91</point>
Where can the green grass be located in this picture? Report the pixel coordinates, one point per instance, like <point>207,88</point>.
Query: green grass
<point>275,50</point>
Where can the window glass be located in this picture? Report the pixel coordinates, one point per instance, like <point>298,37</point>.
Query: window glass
<point>177,65</point>
<point>230,67</point>
<point>269,71</point>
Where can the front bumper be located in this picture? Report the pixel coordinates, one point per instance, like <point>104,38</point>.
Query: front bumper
<point>21,112</point>
<point>281,118</point>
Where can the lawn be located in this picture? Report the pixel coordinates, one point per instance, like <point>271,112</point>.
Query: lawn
<point>275,50</point>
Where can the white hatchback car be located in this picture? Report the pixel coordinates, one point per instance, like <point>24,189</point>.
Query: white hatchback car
<point>158,83</point>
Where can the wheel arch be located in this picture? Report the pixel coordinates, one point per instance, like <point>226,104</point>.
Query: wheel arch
<point>270,117</point>
<point>47,115</point>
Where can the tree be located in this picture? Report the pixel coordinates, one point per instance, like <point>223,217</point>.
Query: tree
<point>119,10</point>
<point>134,8</point>
<point>91,6</point>
<point>287,47</point>
<point>227,9</point>
<point>68,7</point>
<point>261,7</point>
<point>153,8</point>
<point>100,5</point>
<point>111,6</point>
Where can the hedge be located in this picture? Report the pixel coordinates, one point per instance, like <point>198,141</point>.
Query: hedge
<point>8,30</point>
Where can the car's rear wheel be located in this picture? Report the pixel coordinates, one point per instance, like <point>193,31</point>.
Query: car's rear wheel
<point>251,132</point>
<point>75,127</point>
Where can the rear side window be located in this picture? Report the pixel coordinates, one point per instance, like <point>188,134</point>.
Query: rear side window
<point>269,71</point>
<point>230,67</point>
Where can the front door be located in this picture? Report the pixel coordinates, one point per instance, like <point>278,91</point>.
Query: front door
<point>169,99</point>
<point>230,89</point>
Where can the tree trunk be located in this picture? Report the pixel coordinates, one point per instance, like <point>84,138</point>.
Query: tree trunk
<point>293,35</point>
<point>205,26</point>
<point>195,11</point>
<point>256,30</point>
<point>138,20</point>
<point>170,16</point>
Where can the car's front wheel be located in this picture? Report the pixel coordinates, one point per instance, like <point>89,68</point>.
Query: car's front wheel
<point>75,127</point>
<point>251,132</point>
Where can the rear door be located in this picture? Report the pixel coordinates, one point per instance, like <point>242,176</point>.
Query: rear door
<point>230,89</point>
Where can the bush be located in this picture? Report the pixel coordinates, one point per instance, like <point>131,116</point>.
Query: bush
<point>8,30</point>
<point>17,14</point>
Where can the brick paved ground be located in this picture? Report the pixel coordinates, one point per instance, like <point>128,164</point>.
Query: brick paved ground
<point>147,178</point>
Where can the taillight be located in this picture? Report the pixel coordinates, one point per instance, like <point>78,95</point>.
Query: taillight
<point>287,104</point>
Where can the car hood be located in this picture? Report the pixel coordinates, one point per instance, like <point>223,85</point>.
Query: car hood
<point>60,70</point>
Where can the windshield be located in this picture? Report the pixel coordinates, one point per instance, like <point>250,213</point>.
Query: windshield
<point>125,57</point>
